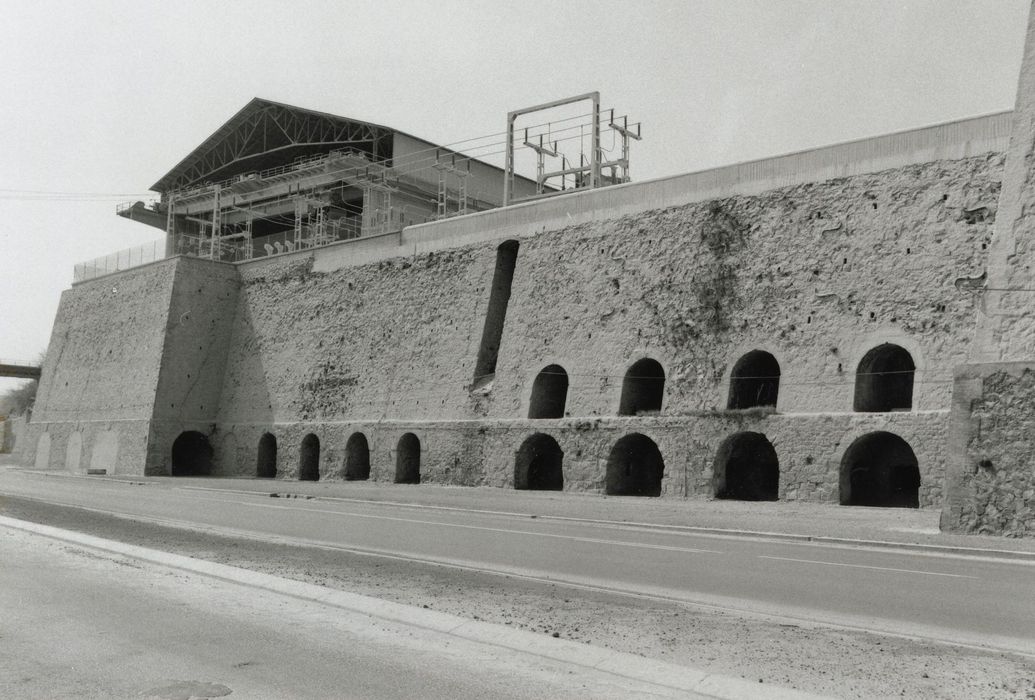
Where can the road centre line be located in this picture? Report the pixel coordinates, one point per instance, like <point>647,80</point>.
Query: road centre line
<point>574,538</point>
<point>864,566</point>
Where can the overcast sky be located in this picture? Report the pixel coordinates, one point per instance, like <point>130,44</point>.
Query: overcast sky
<point>103,98</point>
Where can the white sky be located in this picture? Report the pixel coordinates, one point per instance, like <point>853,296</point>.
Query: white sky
<point>106,97</point>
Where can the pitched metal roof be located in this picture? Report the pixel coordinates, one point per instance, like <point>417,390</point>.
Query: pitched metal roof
<point>261,132</point>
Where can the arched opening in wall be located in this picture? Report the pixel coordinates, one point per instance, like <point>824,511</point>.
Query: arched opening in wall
<point>496,311</point>
<point>880,469</point>
<point>549,393</point>
<point>309,459</point>
<point>746,469</point>
<point>357,458</point>
<point>191,455</point>
<point>74,452</point>
<point>105,454</point>
<point>266,464</point>
<point>642,388</point>
<point>884,380</point>
<point>539,464</point>
<point>407,460</point>
<point>634,467</point>
<point>42,460</point>
<point>754,381</point>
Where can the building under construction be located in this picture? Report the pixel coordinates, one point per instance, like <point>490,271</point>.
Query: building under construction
<point>276,178</point>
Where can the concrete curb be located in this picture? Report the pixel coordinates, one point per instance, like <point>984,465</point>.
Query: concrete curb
<point>629,666</point>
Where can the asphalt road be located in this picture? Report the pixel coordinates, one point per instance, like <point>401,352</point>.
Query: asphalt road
<point>983,602</point>
<point>79,623</point>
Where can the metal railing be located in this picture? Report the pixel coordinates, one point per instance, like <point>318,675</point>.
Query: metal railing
<point>120,260</point>
<point>226,250</point>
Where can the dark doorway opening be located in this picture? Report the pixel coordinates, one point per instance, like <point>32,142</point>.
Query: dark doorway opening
<point>266,465</point>
<point>549,393</point>
<point>642,388</point>
<point>407,460</point>
<point>191,455</point>
<point>539,464</point>
<point>880,469</point>
<point>496,312</point>
<point>746,469</point>
<point>357,458</point>
<point>884,380</point>
<point>309,459</point>
<point>754,381</point>
<point>634,467</point>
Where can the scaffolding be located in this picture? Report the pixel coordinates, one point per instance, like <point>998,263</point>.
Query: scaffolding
<point>445,169</point>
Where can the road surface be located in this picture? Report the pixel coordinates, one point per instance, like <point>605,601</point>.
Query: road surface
<point>987,603</point>
<point>82,623</point>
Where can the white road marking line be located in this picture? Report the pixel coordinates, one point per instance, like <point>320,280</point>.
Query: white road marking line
<point>591,540</point>
<point>864,566</point>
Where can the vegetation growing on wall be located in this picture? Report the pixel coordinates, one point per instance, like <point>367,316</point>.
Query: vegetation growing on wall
<point>15,402</point>
<point>723,235</point>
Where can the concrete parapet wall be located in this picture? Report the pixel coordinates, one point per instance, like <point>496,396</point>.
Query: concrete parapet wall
<point>951,141</point>
<point>991,476</point>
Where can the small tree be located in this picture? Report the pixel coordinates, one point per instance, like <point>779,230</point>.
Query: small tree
<point>19,400</point>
